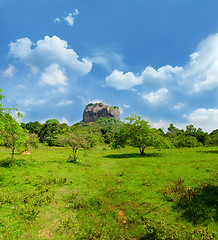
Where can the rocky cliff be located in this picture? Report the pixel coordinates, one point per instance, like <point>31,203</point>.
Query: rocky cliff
<point>94,111</point>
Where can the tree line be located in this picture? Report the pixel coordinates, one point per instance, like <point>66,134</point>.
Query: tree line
<point>133,131</point>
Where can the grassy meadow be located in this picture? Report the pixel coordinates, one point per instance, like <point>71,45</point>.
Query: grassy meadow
<point>109,194</point>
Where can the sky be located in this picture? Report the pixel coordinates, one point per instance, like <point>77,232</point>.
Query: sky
<point>154,58</point>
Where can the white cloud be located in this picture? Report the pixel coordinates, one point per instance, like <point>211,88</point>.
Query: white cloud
<point>207,119</point>
<point>33,101</point>
<point>179,106</point>
<point>69,19</point>
<point>121,81</point>
<point>76,12</point>
<point>53,76</point>
<point>86,101</point>
<point>160,124</point>
<point>199,74</point>
<point>21,48</point>
<point>95,101</point>
<point>64,120</point>
<point>64,102</point>
<point>126,106</point>
<point>202,71</point>
<point>161,75</point>
<point>157,97</point>
<point>107,58</point>
<point>9,72</point>
<point>57,20</point>
<point>48,51</point>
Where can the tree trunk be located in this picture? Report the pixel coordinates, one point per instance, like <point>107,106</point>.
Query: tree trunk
<point>12,158</point>
<point>74,155</point>
<point>142,151</point>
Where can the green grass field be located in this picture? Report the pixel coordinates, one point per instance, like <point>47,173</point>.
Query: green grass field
<point>109,194</point>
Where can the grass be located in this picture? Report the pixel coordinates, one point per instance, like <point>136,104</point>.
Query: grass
<point>109,194</point>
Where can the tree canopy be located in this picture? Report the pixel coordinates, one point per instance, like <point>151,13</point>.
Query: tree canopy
<point>137,133</point>
<point>12,134</point>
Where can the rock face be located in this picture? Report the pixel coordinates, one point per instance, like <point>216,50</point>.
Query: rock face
<point>94,111</point>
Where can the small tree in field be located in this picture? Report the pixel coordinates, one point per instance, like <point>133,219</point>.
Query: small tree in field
<point>76,140</point>
<point>137,133</point>
<point>12,134</point>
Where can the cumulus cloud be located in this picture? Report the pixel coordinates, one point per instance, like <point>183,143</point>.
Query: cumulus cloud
<point>53,76</point>
<point>199,74</point>
<point>157,97</point>
<point>21,48</point>
<point>161,75</point>
<point>9,72</point>
<point>207,119</point>
<point>121,81</point>
<point>48,51</point>
<point>150,76</point>
<point>52,59</point>
<point>202,70</point>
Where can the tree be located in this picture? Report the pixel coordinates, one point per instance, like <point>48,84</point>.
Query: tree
<point>108,127</point>
<point>49,132</point>
<point>12,134</point>
<point>76,140</point>
<point>52,121</point>
<point>137,132</point>
<point>213,138</point>
<point>32,127</point>
<point>32,141</point>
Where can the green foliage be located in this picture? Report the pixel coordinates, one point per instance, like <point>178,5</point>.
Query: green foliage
<point>191,137</point>
<point>49,133</point>
<point>12,134</point>
<point>92,104</point>
<point>114,107</point>
<point>198,204</point>
<point>213,138</point>
<point>85,138</point>
<point>52,121</point>
<point>32,141</point>
<point>32,127</point>
<point>108,127</point>
<point>137,133</point>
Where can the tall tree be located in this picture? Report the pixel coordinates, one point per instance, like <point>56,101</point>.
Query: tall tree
<point>137,132</point>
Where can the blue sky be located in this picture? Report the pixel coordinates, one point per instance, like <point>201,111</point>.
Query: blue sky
<point>154,58</point>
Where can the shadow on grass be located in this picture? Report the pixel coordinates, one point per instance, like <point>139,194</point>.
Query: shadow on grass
<point>203,207</point>
<point>198,205</point>
<point>211,151</point>
<point>7,163</point>
<point>132,155</point>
